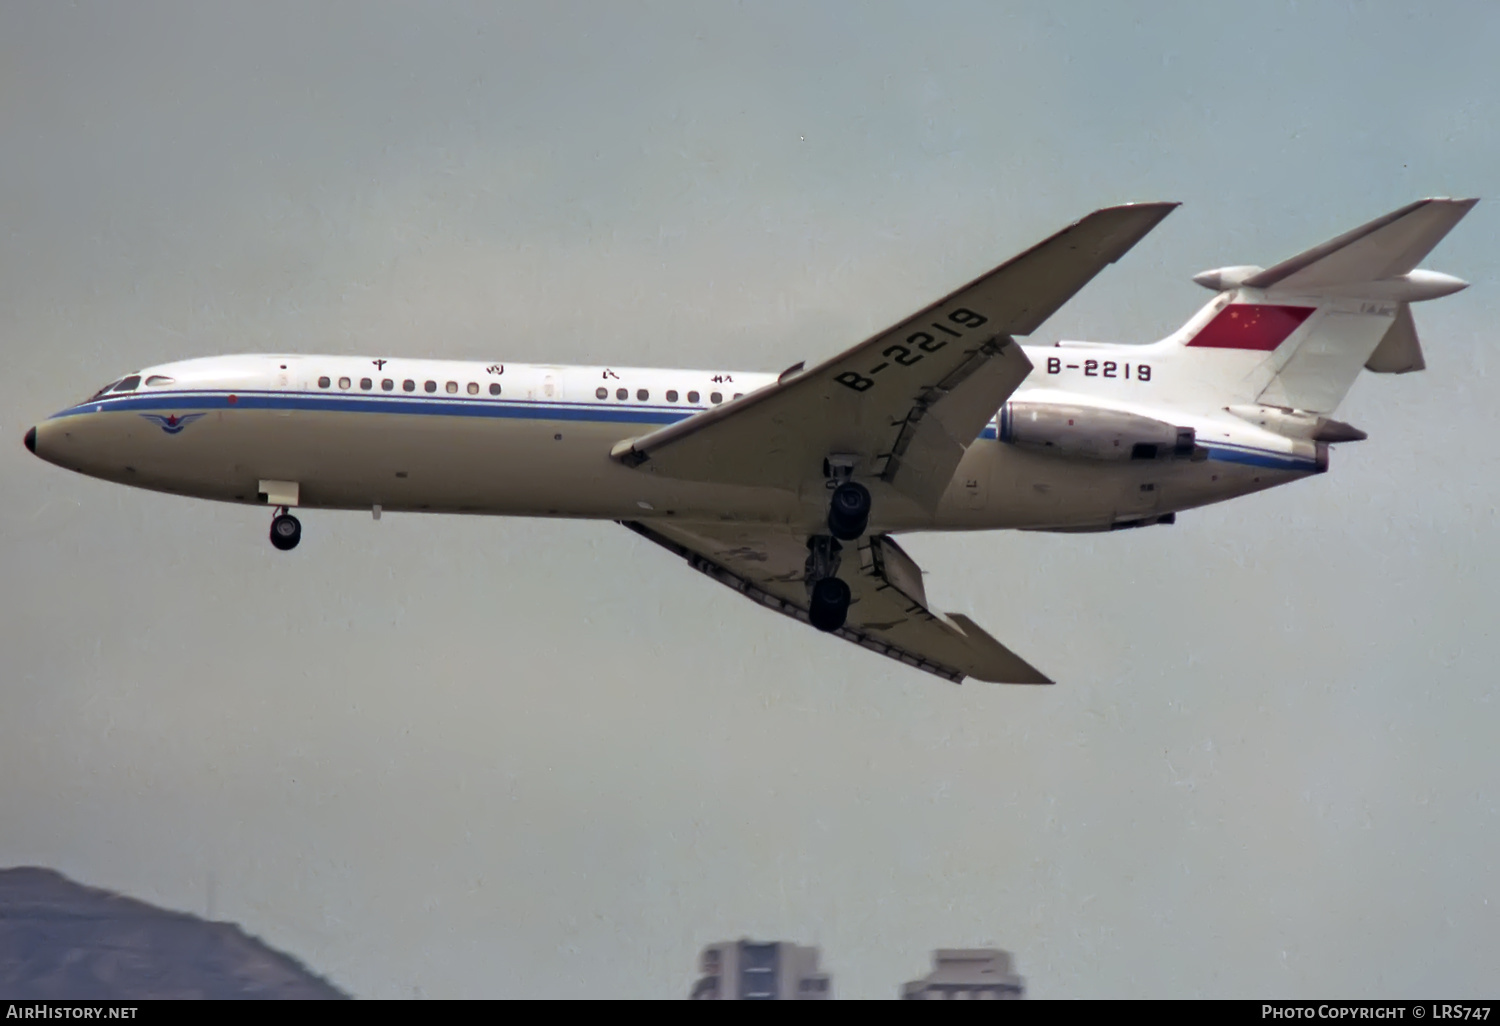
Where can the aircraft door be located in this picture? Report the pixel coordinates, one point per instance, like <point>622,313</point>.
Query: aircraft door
<point>547,387</point>
<point>287,369</point>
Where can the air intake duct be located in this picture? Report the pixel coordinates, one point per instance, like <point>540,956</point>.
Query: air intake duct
<point>1089,432</point>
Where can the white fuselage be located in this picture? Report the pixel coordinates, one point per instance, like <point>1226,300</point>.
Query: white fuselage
<point>527,440</point>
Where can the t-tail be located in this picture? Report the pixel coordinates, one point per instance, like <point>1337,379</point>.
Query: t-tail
<point>1281,346</point>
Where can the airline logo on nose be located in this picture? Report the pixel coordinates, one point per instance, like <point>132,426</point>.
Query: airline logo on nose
<point>172,423</point>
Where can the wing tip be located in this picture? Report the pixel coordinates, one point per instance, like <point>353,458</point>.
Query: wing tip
<point>1039,680</point>
<point>1012,679</point>
<point>1005,666</point>
<point>1153,212</point>
<point>1164,206</point>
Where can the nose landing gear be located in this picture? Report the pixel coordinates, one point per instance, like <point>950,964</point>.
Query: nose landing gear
<point>286,530</point>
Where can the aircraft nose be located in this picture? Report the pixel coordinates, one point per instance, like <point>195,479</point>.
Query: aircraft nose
<point>31,441</point>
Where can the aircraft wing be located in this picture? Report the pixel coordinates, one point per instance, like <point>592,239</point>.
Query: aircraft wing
<point>908,402</point>
<point>889,612</point>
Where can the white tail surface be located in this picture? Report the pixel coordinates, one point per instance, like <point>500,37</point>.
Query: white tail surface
<point>1384,250</point>
<point>1296,335</point>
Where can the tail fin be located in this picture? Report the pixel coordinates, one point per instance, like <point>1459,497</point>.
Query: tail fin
<point>1301,331</point>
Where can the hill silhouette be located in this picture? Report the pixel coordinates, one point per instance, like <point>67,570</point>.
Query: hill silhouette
<point>62,940</point>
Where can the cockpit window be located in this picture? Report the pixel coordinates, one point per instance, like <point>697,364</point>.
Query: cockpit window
<point>101,391</point>
<point>129,384</point>
<point>160,379</point>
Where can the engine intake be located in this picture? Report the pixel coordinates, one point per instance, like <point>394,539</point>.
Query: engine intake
<point>1089,432</point>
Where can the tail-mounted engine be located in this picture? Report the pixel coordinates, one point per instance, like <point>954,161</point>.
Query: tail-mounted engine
<point>1093,433</point>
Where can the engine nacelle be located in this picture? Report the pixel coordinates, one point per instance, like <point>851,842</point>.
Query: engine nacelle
<point>1093,433</point>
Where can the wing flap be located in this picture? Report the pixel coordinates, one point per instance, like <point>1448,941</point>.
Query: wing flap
<point>889,603</point>
<point>889,614</point>
<point>943,424</point>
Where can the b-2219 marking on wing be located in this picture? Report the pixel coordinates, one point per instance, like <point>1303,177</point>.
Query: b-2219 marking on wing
<point>903,356</point>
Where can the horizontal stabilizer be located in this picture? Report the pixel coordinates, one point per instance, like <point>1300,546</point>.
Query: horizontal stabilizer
<point>1386,248</point>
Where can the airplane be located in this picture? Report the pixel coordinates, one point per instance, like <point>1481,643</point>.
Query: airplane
<point>790,488</point>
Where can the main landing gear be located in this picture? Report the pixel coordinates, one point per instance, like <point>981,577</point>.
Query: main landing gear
<point>828,606</point>
<point>286,530</point>
<point>828,597</point>
<point>849,511</point>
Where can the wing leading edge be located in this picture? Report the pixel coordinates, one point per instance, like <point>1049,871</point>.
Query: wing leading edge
<point>889,614</point>
<point>909,401</point>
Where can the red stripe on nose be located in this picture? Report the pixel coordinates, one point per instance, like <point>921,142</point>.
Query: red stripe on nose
<point>1251,326</point>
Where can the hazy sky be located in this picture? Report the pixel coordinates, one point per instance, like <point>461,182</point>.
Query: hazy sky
<point>448,756</point>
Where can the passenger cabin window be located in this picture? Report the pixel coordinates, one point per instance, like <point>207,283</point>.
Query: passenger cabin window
<point>453,388</point>
<point>642,394</point>
<point>601,393</point>
<point>129,384</point>
<point>692,397</point>
<point>717,397</point>
<point>431,386</point>
<point>494,388</point>
<point>387,384</point>
<point>160,379</point>
<point>622,393</point>
<point>408,385</point>
<point>473,388</point>
<point>366,384</point>
<point>671,395</point>
<point>324,382</point>
<point>343,382</point>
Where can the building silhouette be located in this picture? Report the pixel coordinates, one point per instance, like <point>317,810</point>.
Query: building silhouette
<point>967,973</point>
<point>746,970</point>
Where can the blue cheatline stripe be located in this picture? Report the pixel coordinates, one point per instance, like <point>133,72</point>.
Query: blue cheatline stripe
<point>1259,458</point>
<point>518,409</point>
<point>523,409</point>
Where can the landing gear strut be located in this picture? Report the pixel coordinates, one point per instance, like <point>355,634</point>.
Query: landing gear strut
<point>286,530</point>
<point>827,596</point>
